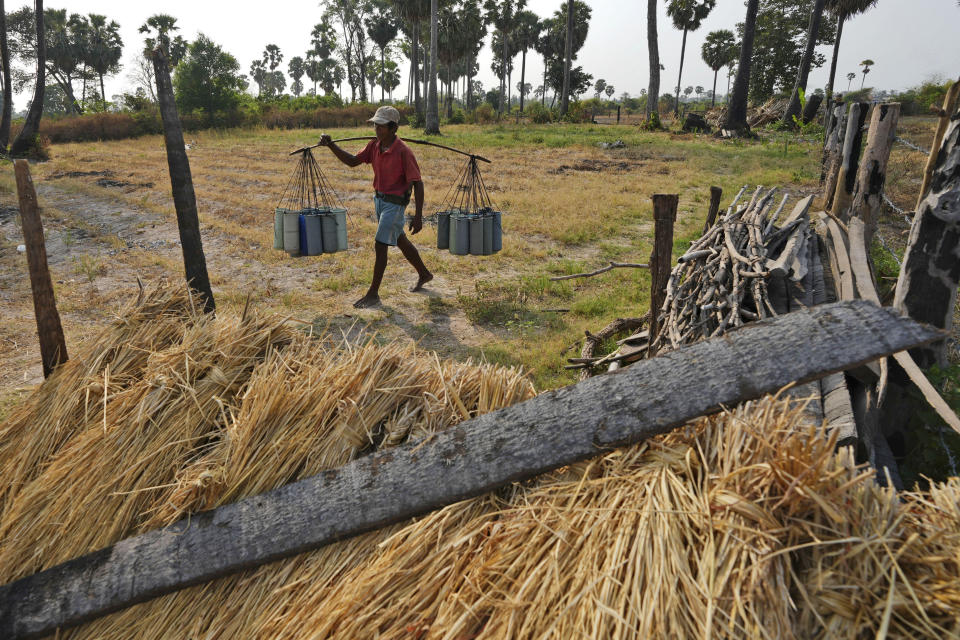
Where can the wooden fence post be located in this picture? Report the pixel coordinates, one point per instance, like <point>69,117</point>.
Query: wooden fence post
<point>715,194</point>
<point>664,214</point>
<point>868,193</point>
<point>53,347</point>
<point>849,161</point>
<point>949,108</point>
<point>184,199</point>
<point>836,128</point>
<point>927,286</point>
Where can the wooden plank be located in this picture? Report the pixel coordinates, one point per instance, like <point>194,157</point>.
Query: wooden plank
<point>53,347</point>
<point>950,101</point>
<point>554,429</point>
<point>849,160</point>
<point>661,259</point>
<point>868,194</point>
<point>715,194</point>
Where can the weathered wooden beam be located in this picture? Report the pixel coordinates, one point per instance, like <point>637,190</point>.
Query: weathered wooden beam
<point>53,347</point>
<point>661,259</point>
<point>849,161</point>
<point>950,101</point>
<point>832,148</point>
<point>715,194</point>
<point>554,429</point>
<point>868,193</point>
<point>181,181</point>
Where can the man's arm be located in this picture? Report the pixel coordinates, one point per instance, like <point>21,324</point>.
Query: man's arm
<point>417,223</point>
<point>346,158</point>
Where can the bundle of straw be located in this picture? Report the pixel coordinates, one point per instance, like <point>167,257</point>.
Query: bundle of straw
<point>740,525</point>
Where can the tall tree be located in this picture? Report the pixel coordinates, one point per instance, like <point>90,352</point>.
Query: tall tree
<point>866,64</point>
<point>382,29</point>
<point>412,13</point>
<point>433,107</point>
<point>687,15</point>
<point>553,47</point>
<point>502,14</point>
<point>353,46</point>
<point>174,48</point>
<point>296,68</point>
<point>717,52</point>
<point>652,114</point>
<point>106,47</point>
<point>207,79</point>
<point>526,34</point>
<point>737,111</point>
<point>567,59</point>
<point>793,108</point>
<point>850,77</point>
<point>26,139</point>
<point>7,83</point>
<point>258,73</point>
<point>843,10</point>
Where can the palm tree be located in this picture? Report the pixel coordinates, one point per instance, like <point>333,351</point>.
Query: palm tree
<point>502,14</point>
<point>793,109</point>
<point>687,15</point>
<point>411,12</point>
<point>866,64</point>
<point>433,108</point>
<point>843,10</point>
<point>567,55</point>
<point>106,47</point>
<point>164,24</point>
<point>850,77</point>
<point>7,91</point>
<point>652,113</point>
<point>382,29</point>
<point>296,68</point>
<point>716,52</point>
<point>737,112</point>
<point>25,140</point>
<point>525,34</point>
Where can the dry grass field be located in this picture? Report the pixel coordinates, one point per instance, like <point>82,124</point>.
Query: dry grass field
<point>570,206</point>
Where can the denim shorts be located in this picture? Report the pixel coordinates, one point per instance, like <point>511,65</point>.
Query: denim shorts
<point>390,221</point>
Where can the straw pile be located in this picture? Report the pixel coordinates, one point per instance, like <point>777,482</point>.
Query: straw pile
<point>740,525</point>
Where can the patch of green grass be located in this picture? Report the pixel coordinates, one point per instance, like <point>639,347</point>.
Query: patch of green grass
<point>89,266</point>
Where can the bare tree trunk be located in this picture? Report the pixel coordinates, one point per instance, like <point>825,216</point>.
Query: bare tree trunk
<point>26,140</point>
<point>7,91</point>
<point>793,109</point>
<point>433,109</point>
<point>653,89</point>
<point>523,79</point>
<point>833,69</point>
<point>184,199</point>
<point>567,54</point>
<point>713,93</point>
<point>503,74</point>
<point>737,112</point>
<point>683,50</point>
<point>417,102</point>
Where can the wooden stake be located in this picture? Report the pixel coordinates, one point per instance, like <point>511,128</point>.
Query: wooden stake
<point>715,194</point>
<point>184,199</point>
<point>555,429</point>
<point>868,193</point>
<point>949,108</point>
<point>664,215</point>
<point>832,148</point>
<point>53,348</point>
<point>849,161</point>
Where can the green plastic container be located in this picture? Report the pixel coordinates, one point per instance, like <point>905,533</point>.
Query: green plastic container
<point>487,234</point>
<point>476,235</point>
<point>459,234</point>
<point>291,232</point>
<point>497,231</point>
<point>340,216</point>
<point>278,227</point>
<point>443,229</point>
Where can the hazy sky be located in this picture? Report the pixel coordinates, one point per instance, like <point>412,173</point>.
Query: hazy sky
<point>909,40</point>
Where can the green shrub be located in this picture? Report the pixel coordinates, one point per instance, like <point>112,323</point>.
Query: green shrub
<point>458,117</point>
<point>484,114</point>
<point>538,113</point>
<point>578,112</point>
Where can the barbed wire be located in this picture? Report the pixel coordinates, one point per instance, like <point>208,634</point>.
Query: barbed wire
<point>906,214</point>
<point>893,253</point>
<point>913,146</point>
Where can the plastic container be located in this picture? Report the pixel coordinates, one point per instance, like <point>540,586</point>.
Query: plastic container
<point>278,228</point>
<point>459,234</point>
<point>497,231</point>
<point>291,232</point>
<point>311,243</point>
<point>476,235</point>
<point>340,217</point>
<point>487,234</point>
<point>443,229</point>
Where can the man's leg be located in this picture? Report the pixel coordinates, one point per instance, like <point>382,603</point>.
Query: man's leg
<point>372,296</point>
<point>413,257</point>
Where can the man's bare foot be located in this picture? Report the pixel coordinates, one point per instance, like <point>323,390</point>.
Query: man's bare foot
<point>422,280</point>
<point>366,302</point>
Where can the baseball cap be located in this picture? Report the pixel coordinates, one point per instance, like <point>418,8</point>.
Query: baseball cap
<point>385,115</point>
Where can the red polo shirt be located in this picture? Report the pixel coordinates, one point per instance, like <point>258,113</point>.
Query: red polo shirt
<point>393,169</point>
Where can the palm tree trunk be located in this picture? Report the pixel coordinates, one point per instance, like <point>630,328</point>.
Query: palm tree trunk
<point>433,111</point>
<point>31,125</point>
<point>543,96</point>
<point>7,91</point>
<point>793,109</point>
<point>503,73</point>
<point>833,70</point>
<point>383,73</point>
<point>713,95</point>
<point>737,113</point>
<point>567,55</point>
<point>683,48</point>
<point>653,89</point>
<point>523,74</point>
<point>103,92</point>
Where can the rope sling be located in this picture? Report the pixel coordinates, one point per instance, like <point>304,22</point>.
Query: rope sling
<point>467,222</point>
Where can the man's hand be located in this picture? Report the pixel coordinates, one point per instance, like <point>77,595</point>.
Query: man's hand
<point>325,140</point>
<point>416,224</point>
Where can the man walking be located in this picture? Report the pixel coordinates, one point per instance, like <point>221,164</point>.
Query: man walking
<point>395,175</point>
